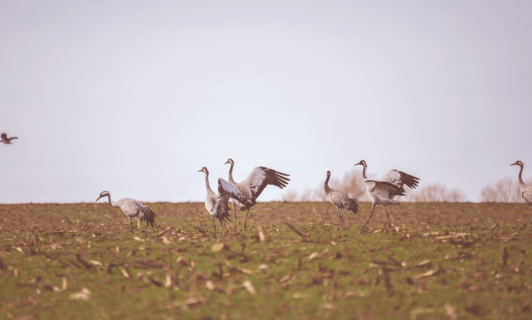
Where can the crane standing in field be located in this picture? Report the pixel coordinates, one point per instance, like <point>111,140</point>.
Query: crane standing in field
<point>132,209</point>
<point>340,200</point>
<point>217,205</point>
<point>253,185</point>
<point>526,190</point>
<point>5,139</point>
<point>383,191</point>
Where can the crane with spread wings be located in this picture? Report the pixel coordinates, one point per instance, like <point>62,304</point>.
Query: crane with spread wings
<point>253,185</point>
<point>384,191</point>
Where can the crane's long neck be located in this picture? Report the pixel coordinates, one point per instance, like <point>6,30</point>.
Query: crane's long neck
<point>521,182</point>
<point>207,185</point>
<point>114,204</point>
<point>231,174</point>
<point>364,171</point>
<point>326,185</point>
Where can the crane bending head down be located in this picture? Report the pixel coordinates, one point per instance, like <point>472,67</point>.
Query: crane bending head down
<point>132,209</point>
<point>104,194</point>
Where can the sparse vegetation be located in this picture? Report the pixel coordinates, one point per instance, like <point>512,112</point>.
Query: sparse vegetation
<point>435,192</point>
<point>441,260</point>
<point>504,190</point>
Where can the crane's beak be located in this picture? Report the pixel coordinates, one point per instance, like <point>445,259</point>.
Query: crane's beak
<point>201,170</point>
<point>227,162</point>
<point>513,164</point>
<point>98,198</point>
<point>356,164</point>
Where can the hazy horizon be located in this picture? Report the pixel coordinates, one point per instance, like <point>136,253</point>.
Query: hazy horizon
<point>135,97</point>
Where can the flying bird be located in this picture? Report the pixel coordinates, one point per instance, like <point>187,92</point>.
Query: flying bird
<point>340,200</point>
<point>253,185</point>
<point>383,191</point>
<point>132,209</point>
<point>526,190</point>
<point>5,139</point>
<point>216,205</point>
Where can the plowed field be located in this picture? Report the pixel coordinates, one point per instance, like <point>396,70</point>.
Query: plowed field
<point>438,261</point>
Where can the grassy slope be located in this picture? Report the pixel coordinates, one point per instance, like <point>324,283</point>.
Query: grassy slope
<point>350,276</point>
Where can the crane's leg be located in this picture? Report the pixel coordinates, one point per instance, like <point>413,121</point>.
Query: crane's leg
<point>146,227</point>
<point>214,225</point>
<point>131,224</point>
<point>138,223</point>
<point>372,208</point>
<point>245,220</point>
<point>232,203</point>
<point>222,224</point>
<point>339,218</point>
<point>388,216</point>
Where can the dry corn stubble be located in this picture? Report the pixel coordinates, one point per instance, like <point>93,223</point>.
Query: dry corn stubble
<point>439,260</point>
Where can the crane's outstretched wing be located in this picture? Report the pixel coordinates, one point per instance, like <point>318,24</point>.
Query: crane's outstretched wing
<point>12,138</point>
<point>399,178</point>
<point>260,177</point>
<point>227,189</point>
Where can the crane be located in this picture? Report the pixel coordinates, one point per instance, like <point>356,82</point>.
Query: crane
<point>383,191</point>
<point>340,200</point>
<point>216,205</point>
<point>526,190</point>
<point>254,184</point>
<point>5,139</point>
<point>132,209</point>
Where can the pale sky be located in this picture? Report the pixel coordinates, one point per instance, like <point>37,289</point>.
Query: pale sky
<point>135,97</point>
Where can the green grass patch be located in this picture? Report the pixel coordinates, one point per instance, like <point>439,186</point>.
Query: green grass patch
<point>440,260</point>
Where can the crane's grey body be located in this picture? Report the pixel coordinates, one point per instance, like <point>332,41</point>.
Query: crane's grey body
<point>253,185</point>
<point>382,192</point>
<point>217,205</point>
<point>340,200</point>
<point>132,209</point>
<point>5,139</point>
<point>526,190</point>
